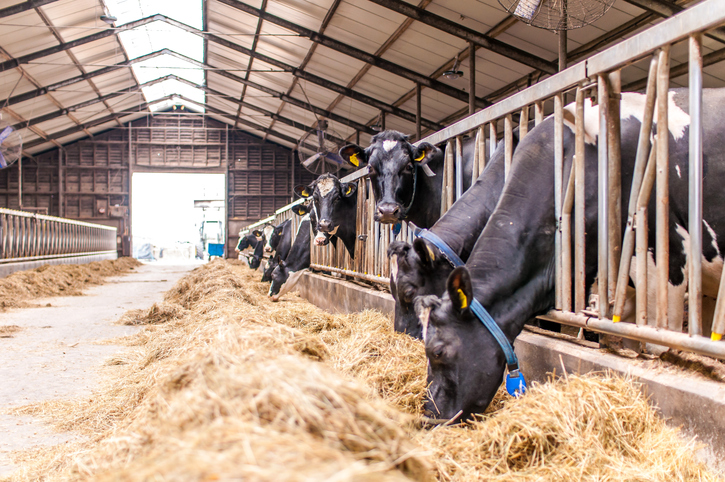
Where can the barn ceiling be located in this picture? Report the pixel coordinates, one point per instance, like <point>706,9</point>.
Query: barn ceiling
<point>274,67</point>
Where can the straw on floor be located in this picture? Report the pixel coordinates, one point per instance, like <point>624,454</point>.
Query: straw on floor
<point>222,384</point>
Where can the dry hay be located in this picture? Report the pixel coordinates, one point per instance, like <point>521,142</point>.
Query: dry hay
<point>7,331</point>
<point>18,288</point>
<point>223,384</point>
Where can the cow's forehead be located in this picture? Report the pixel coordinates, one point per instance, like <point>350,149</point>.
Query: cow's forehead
<point>268,230</point>
<point>325,186</point>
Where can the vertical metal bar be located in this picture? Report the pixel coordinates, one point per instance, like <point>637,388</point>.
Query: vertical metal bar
<point>603,197</point>
<point>508,144</point>
<point>447,197</point>
<point>418,114</point>
<point>615,181</point>
<point>662,202</point>
<point>642,235</point>
<point>523,122</point>
<point>695,188</point>
<point>130,185</point>
<point>640,164</point>
<point>481,136</point>
<point>491,138</point>
<point>580,203</point>
<point>558,182</point>
<point>538,112</point>
<point>226,190</point>
<point>20,183</point>
<point>476,156</point>
<point>60,183</point>
<point>566,241</point>
<point>459,168</point>
<point>562,44</point>
<point>472,78</point>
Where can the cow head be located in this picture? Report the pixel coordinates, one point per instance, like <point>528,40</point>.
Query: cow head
<point>275,236</point>
<point>280,275</point>
<point>465,363</point>
<point>392,162</point>
<point>327,194</point>
<point>268,231</point>
<point>416,270</point>
<point>269,268</point>
<point>250,240</point>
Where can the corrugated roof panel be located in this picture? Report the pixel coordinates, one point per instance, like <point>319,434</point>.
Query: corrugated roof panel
<point>423,49</point>
<point>398,124</point>
<point>114,81</point>
<point>383,85</point>
<point>228,107</point>
<point>278,81</point>
<point>268,103</point>
<point>356,111</point>
<point>75,18</point>
<point>232,24</point>
<point>317,95</point>
<point>364,25</point>
<point>52,69</point>
<point>333,65</point>
<point>224,85</point>
<point>255,117</point>
<point>25,33</point>
<point>304,116</point>
<point>127,102</point>
<point>13,83</point>
<point>56,125</point>
<point>99,54</point>
<point>80,135</point>
<point>35,107</point>
<point>278,44</point>
<point>74,94</point>
<point>224,58</point>
<point>301,12</point>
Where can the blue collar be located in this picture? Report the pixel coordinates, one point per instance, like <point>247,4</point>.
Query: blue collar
<point>515,382</point>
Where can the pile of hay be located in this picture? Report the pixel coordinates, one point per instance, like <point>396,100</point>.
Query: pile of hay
<point>18,288</point>
<point>222,384</point>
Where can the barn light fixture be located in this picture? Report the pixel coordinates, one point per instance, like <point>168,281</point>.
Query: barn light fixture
<point>109,19</point>
<point>378,126</point>
<point>453,73</point>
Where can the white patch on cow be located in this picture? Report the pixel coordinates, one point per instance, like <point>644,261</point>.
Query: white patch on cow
<point>320,238</point>
<point>713,236</point>
<point>306,218</point>
<point>632,105</point>
<point>389,145</point>
<point>424,318</point>
<point>292,280</point>
<point>679,173</point>
<point>325,186</point>
<point>394,267</point>
<point>268,230</point>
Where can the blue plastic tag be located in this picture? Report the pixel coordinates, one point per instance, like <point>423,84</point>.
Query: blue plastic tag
<point>396,229</point>
<point>515,383</point>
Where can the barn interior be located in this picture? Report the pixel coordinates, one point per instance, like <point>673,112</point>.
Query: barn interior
<point>100,90</point>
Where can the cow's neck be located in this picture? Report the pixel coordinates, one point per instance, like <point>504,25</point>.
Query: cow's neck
<point>347,230</point>
<point>461,225</point>
<point>299,255</point>
<point>512,263</point>
<point>426,208</point>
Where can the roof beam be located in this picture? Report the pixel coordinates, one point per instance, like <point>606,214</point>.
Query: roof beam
<point>470,35</point>
<point>355,52</point>
<point>251,59</point>
<point>74,80</point>
<point>104,98</point>
<point>665,8</point>
<point>22,7</point>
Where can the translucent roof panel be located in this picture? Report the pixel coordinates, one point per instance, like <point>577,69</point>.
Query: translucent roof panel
<point>160,35</point>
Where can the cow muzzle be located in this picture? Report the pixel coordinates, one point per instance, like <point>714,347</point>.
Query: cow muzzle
<point>388,213</point>
<point>321,239</point>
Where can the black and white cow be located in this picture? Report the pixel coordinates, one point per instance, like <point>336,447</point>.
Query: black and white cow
<point>289,270</point>
<point>335,206</point>
<point>420,269</point>
<point>511,268</point>
<point>255,259</point>
<point>247,241</point>
<point>280,242</point>
<point>403,183</point>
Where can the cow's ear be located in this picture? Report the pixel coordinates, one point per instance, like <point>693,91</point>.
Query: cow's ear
<point>425,253</point>
<point>348,189</point>
<point>425,152</point>
<point>354,155</point>
<point>303,191</point>
<point>459,289</point>
<point>300,209</point>
<point>279,229</point>
<point>257,233</point>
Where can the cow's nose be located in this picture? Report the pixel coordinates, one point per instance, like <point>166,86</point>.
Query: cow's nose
<point>388,212</point>
<point>268,249</point>
<point>325,225</point>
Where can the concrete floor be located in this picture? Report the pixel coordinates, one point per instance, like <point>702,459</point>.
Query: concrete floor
<point>56,355</point>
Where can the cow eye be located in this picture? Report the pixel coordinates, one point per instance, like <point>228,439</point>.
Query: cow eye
<point>409,167</point>
<point>436,353</point>
<point>371,171</point>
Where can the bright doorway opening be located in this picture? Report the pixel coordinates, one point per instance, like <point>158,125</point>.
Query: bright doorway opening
<point>177,217</point>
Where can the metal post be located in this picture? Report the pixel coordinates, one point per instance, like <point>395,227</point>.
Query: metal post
<point>615,180</point>
<point>450,180</point>
<point>695,191</point>
<point>508,144</point>
<point>558,181</point>
<point>20,183</point>
<point>603,197</point>
<point>60,183</point>
<point>491,138</point>
<point>476,157</point>
<point>662,203</point>
<point>642,235</point>
<point>523,122</point>
<point>130,185</point>
<point>566,241</point>
<point>418,114</point>
<point>481,136</point>
<point>459,168</point>
<point>580,203</point>
<point>472,78</point>
<point>447,197</point>
<point>538,112</point>
<point>226,191</point>
<point>640,164</point>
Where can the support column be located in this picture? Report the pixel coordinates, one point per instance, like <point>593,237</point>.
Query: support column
<point>417,112</point>
<point>472,78</point>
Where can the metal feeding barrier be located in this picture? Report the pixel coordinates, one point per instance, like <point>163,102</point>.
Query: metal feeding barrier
<point>36,237</point>
<point>597,76</point>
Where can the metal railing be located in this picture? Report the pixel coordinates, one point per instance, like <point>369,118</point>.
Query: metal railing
<point>36,237</point>
<point>600,73</point>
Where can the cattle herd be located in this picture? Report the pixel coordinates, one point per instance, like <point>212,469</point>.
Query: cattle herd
<point>503,229</point>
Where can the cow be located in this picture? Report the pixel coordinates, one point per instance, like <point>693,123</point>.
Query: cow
<point>255,259</point>
<point>250,240</point>
<point>511,268</point>
<point>280,242</point>
<point>421,269</point>
<point>407,181</point>
<point>335,206</point>
<point>289,270</point>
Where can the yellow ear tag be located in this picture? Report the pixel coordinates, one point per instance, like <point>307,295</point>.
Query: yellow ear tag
<point>354,160</point>
<point>462,298</point>
<point>418,159</point>
<point>430,253</point>
<point>305,193</point>
<point>348,191</point>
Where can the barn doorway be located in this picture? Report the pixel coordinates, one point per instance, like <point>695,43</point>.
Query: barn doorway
<point>177,217</point>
